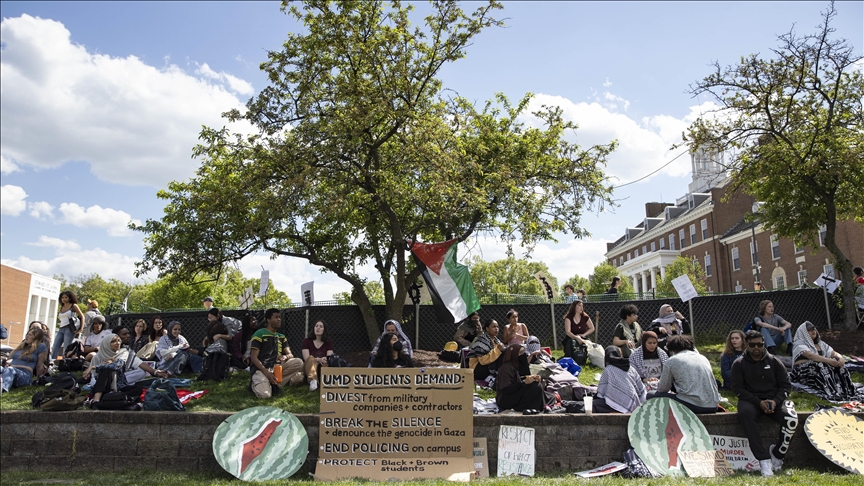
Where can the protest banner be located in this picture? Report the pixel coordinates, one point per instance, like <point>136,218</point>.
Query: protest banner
<point>481,458</point>
<point>705,464</point>
<point>516,453</point>
<point>737,451</point>
<point>401,423</point>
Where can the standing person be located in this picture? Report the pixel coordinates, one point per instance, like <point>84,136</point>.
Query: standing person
<point>571,296</point>
<point>515,332</point>
<point>627,334</point>
<point>775,330</point>
<point>620,389</point>
<point>270,347</point>
<point>612,291</point>
<point>648,360</point>
<point>207,303</point>
<point>92,311</point>
<point>487,351</point>
<point>735,348</point>
<point>669,323</point>
<point>762,385</point>
<point>581,295</point>
<point>27,360</point>
<point>316,348</point>
<point>691,375</point>
<point>514,391</point>
<point>69,330</point>
<point>468,331</point>
<point>391,354</point>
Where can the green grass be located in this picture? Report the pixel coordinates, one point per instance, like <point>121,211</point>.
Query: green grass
<point>150,477</point>
<point>233,395</point>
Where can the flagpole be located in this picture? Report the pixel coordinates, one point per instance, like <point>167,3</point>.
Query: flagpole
<point>554,331</point>
<point>417,325</point>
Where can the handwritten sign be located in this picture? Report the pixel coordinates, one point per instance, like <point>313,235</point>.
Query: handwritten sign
<point>307,293</point>
<point>516,453</point>
<point>705,464</point>
<point>737,451</point>
<point>837,435</point>
<point>481,459</point>
<point>548,289</point>
<point>396,424</point>
<point>685,288</point>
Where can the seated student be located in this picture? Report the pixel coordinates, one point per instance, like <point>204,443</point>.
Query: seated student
<point>536,355</point>
<point>468,331</point>
<point>821,369</point>
<point>515,332</point>
<point>734,349</point>
<point>316,348</point>
<point>173,352</point>
<point>135,369</point>
<point>26,360</point>
<point>669,323</point>
<point>46,340</point>
<point>515,391</point>
<point>103,380</point>
<point>270,347</point>
<point>691,375</point>
<point>627,334</point>
<point>142,336</point>
<point>393,327</point>
<point>620,389</point>
<point>98,332</point>
<point>218,337</point>
<point>648,360</point>
<point>774,328</point>
<point>486,352</point>
<point>390,354</point>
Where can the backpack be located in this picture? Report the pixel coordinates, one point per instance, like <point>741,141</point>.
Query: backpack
<point>162,396</point>
<point>56,383</point>
<point>335,361</point>
<point>120,400</point>
<point>215,367</point>
<point>61,401</point>
<point>450,353</point>
<point>4,333</point>
<point>71,364</point>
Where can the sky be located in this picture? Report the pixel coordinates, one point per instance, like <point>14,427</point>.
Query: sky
<point>101,104</point>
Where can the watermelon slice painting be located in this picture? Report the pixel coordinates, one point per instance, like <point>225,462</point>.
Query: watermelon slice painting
<point>660,429</point>
<point>261,443</point>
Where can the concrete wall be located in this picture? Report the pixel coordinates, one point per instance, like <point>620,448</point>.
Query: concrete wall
<point>116,441</point>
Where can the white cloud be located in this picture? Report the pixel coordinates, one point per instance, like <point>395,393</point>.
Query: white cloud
<point>135,124</point>
<point>114,221</point>
<point>41,209</point>
<point>12,200</point>
<point>7,166</point>
<point>234,83</point>
<point>607,83</point>
<point>614,100</point>
<point>71,260</point>
<point>57,243</point>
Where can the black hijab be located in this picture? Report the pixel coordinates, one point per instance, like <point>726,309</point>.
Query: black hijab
<point>613,358</point>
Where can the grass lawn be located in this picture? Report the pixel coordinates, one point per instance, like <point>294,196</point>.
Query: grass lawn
<point>149,477</point>
<point>233,395</point>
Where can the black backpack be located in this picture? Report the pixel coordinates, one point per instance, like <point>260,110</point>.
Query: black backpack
<point>128,398</point>
<point>162,396</point>
<point>55,383</point>
<point>215,367</point>
<point>335,361</point>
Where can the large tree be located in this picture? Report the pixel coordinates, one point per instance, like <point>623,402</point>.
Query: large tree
<point>600,280</point>
<point>682,266</point>
<point>792,122</point>
<point>509,276</point>
<point>358,149</point>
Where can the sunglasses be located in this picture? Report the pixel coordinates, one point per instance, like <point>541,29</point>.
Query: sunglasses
<point>756,345</point>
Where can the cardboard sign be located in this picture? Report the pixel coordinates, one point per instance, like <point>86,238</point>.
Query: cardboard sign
<point>837,434</point>
<point>307,293</point>
<point>264,283</point>
<point>610,468</point>
<point>546,285</point>
<point>516,453</point>
<point>684,287</point>
<point>481,459</point>
<point>706,464</point>
<point>737,451</point>
<point>401,423</point>
<point>661,429</point>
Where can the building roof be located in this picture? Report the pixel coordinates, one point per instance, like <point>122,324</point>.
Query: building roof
<point>740,227</point>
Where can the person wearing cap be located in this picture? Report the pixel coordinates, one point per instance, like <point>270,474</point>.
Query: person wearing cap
<point>92,311</point>
<point>98,332</point>
<point>208,302</point>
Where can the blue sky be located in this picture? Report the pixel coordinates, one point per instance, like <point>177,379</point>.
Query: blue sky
<point>102,103</point>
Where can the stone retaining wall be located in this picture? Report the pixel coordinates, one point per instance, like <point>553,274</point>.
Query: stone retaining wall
<point>116,441</point>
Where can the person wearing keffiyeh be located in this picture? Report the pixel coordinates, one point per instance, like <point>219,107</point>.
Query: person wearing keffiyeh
<point>620,389</point>
<point>393,327</point>
<point>486,352</point>
<point>819,368</point>
<point>669,323</point>
<point>648,360</point>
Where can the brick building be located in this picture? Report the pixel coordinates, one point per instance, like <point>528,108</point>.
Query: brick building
<point>703,227</point>
<point>26,297</point>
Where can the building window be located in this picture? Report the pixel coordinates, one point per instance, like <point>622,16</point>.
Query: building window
<point>681,237</point>
<point>779,282</point>
<point>828,270</point>
<point>822,232</point>
<point>629,257</point>
<point>775,247</point>
<point>615,262</point>
<point>636,253</point>
<point>692,234</point>
<point>754,249</point>
<point>798,249</point>
<point>644,249</point>
<point>662,244</point>
<point>704,224</point>
<point>653,247</point>
<point>802,277</point>
<point>736,262</point>
<point>671,242</point>
<point>707,265</point>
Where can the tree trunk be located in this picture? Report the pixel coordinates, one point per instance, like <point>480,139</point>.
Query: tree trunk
<point>358,295</point>
<point>844,269</point>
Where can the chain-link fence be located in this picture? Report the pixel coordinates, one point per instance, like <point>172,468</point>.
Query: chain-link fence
<point>712,318</point>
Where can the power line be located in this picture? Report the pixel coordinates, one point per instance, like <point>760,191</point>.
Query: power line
<point>652,173</point>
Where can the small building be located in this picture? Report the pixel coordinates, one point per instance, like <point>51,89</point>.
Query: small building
<point>26,297</point>
<point>701,226</point>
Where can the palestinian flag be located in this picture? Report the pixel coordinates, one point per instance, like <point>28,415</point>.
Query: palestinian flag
<point>449,282</point>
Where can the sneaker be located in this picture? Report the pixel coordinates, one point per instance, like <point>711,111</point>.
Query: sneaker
<point>766,468</point>
<point>776,464</point>
<point>313,385</point>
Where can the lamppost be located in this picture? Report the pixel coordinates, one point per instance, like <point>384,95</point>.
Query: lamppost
<point>755,209</point>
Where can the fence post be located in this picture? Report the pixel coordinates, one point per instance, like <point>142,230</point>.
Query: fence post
<point>692,322</point>
<point>596,326</point>
<point>417,325</point>
<point>554,332</point>
<point>307,321</point>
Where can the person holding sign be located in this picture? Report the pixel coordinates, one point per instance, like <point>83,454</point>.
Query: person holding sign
<point>670,323</point>
<point>391,354</point>
<point>762,385</point>
<point>487,351</point>
<point>520,393</point>
<point>268,348</point>
<point>628,333</point>
<point>819,368</point>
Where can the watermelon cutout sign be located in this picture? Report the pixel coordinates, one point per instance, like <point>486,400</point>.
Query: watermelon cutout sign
<point>260,444</point>
<point>660,429</point>
<point>839,436</point>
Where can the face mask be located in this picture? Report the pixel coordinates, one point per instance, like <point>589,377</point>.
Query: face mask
<point>397,346</point>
